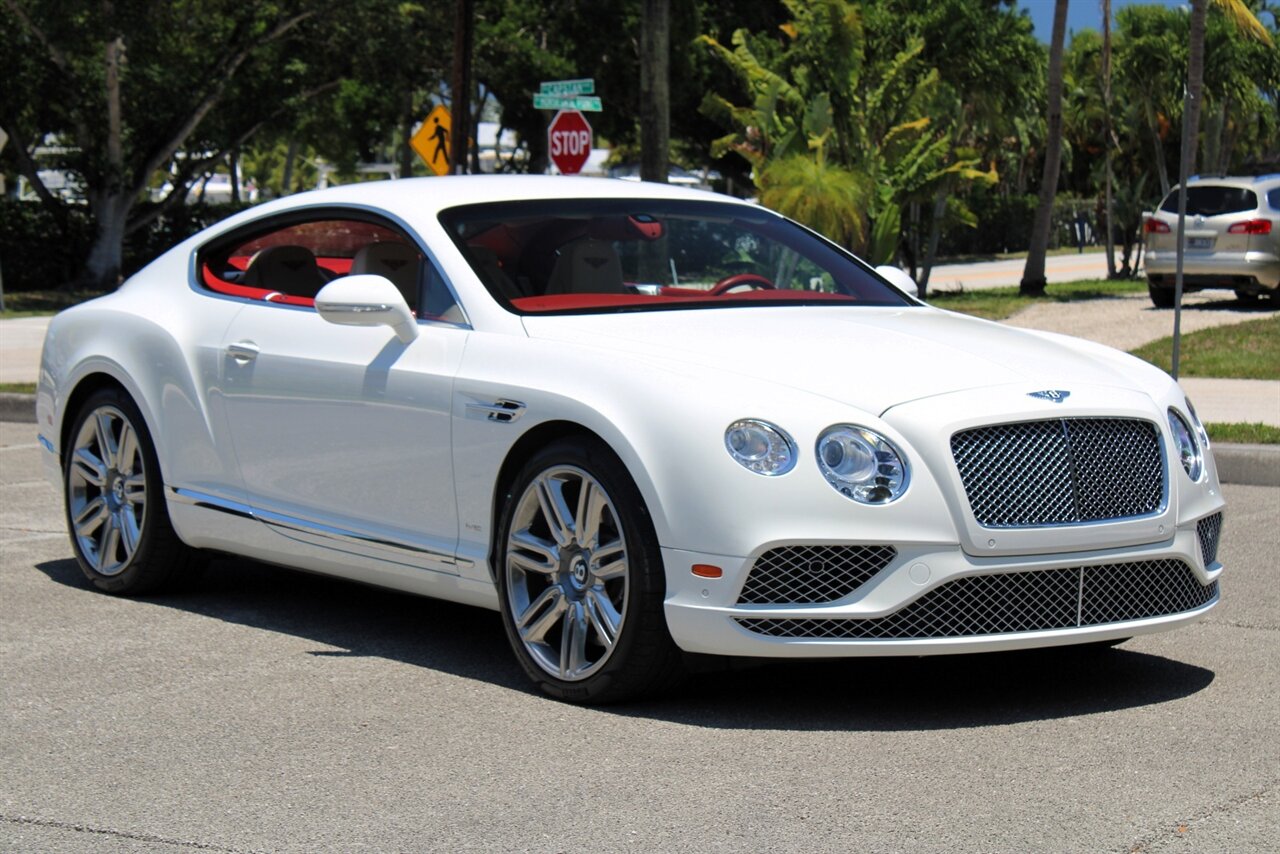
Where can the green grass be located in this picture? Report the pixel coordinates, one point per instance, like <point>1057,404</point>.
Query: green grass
<point>1244,434</point>
<point>1247,351</point>
<point>1009,256</point>
<point>40,303</point>
<point>18,388</point>
<point>1002,303</point>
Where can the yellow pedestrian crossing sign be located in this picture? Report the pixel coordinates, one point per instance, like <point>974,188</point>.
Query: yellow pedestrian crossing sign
<point>433,141</point>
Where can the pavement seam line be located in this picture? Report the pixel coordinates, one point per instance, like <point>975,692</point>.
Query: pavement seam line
<point>1218,809</point>
<point>121,834</point>
<point>1236,624</point>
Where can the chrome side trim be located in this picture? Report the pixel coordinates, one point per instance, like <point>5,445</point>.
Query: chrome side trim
<point>316,529</point>
<point>364,308</point>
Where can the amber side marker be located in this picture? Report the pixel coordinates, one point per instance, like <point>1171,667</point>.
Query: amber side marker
<point>706,570</point>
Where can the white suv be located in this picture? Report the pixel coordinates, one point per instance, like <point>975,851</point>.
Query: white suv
<point>1233,239</point>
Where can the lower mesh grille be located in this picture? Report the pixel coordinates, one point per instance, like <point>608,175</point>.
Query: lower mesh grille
<point>812,574</point>
<point>1209,529</point>
<point>1029,601</point>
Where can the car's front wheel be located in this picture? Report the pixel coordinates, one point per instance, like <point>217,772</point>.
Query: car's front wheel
<point>114,500</point>
<point>581,579</point>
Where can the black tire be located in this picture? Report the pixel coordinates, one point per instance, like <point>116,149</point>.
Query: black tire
<point>1161,297</point>
<point>103,492</point>
<point>642,660</point>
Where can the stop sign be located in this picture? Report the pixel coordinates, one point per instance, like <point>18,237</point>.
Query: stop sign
<point>569,141</point>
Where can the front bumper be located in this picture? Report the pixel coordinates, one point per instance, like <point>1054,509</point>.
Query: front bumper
<point>992,611</point>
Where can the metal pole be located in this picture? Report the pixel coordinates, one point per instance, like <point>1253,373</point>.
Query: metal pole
<point>1180,249</point>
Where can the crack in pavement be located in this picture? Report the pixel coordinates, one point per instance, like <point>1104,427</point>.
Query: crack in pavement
<point>121,834</point>
<point>1182,828</point>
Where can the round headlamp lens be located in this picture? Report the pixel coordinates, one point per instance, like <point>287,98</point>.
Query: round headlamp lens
<point>861,464</point>
<point>1184,440</point>
<point>760,447</point>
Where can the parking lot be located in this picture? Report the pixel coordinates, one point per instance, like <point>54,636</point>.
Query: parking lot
<point>269,710</point>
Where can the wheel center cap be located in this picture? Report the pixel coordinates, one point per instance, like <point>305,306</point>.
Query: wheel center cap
<point>117,490</point>
<point>578,571</point>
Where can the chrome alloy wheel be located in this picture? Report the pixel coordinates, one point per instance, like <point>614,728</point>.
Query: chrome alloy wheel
<point>566,573</point>
<point>107,490</point>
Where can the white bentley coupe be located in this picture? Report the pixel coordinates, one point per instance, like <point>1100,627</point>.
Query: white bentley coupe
<point>639,421</point>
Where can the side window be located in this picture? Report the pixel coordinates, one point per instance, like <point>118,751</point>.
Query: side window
<point>290,261</point>
<point>1273,198</point>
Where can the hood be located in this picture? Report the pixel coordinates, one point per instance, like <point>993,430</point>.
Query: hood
<point>871,358</point>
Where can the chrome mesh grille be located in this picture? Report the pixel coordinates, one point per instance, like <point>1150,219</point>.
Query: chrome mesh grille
<point>812,574</point>
<point>1060,471</point>
<point>1209,529</point>
<point>1036,600</point>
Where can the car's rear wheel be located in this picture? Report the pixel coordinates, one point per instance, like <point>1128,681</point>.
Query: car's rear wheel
<point>119,526</point>
<point>580,578</point>
<point>1161,296</point>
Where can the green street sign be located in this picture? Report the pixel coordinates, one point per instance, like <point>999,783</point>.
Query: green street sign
<point>586,103</point>
<point>585,86</point>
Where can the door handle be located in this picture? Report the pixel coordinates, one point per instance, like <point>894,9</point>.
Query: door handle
<point>243,352</point>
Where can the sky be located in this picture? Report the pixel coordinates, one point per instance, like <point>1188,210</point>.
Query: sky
<point>1082,14</point>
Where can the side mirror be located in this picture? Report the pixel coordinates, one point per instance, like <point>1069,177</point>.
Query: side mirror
<point>900,279</point>
<point>367,300</point>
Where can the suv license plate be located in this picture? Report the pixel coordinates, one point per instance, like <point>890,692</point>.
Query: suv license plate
<point>1199,242</point>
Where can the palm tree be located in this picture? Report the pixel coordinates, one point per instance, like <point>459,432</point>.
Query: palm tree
<point>1033,280</point>
<point>1244,19</point>
<point>1108,138</point>
<point>655,90</point>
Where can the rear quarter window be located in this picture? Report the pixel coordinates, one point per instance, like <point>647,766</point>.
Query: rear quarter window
<point>1273,198</point>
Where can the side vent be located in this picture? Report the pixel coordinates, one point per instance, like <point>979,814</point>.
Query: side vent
<point>502,411</point>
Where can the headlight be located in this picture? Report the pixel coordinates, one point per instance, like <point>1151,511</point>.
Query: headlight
<point>1189,453</point>
<point>760,447</point>
<point>861,465</point>
<point>1198,424</point>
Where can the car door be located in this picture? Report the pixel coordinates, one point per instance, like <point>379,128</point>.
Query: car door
<point>342,433</point>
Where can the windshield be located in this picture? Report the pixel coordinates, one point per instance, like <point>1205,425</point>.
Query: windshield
<point>639,255</point>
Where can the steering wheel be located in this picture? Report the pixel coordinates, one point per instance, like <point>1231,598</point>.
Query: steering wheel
<point>741,280</point>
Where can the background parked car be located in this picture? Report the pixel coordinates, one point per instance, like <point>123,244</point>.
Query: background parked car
<point>1232,234</point>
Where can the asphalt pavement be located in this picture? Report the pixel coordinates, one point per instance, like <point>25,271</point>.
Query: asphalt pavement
<point>269,710</point>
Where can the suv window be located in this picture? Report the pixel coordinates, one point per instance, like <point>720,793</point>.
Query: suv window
<point>1212,200</point>
<point>1273,198</point>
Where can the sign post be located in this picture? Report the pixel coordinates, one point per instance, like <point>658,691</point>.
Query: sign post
<point>569,141</point>
<point>432,142</point>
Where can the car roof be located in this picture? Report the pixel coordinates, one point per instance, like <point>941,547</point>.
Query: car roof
<point>1244,181</point>
<point>431,195</point>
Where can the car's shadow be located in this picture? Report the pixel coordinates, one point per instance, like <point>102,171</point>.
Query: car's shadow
<point>882,694</point>
<point>1226,303</point>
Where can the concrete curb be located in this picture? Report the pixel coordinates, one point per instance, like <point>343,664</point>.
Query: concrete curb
<point>1256,465</point>
<point>19,408</point>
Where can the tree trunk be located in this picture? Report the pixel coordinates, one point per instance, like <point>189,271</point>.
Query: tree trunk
<point>406,151</point>
<point>1190,135</point>
<point>935,231</point>
<point>290,155</point>
<point>1195,81</point>
<point>1162,170</point>
<point>1107,134</point>
<point>233,161</point>
<point>464,21</point>
<point>1033,280</point>
<point>655,91</point>
<point>102,270</point>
